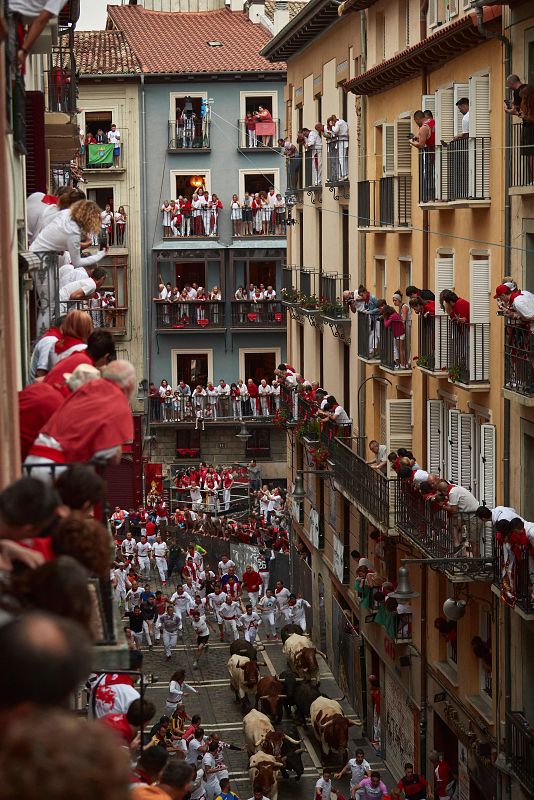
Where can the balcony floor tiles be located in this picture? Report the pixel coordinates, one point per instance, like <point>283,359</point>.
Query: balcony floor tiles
<point>523,399</point>
<point>392,371</point>
<point>521,190</point>
<point>482,386</point>
<point>434,373</point>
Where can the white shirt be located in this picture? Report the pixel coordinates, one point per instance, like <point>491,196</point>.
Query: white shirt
<point>176,693</point>
<point>419,476</point>
<point>120,577</point>
<point>524,304</point>
<point>267,604</point>
<point>465,123</point>
<point>208,762</point>
<point>128,547</point>
<point>249,621</point>
<point>32,8</point>
<point>87,285</point>
<point>299,610</point>
<point>143,550</point>
<point>462,497</point>
<point>282,596</point>
<point>133,598</point>
<point>201,627</point>
<point>223,391</point>
<point>314,141</point>
<point>230,610</point>
<point>224,567</point>
<point>193,756</point>
<point>217,600</point>
<point>340,128</point>
<point>503,512</point>
<point>182,602</point>
<point>200,790</point>
<point>358,771</point>
<point>271,199</point>
<point>160,549</point>
<point>340,415</point>
<point>113,698</point>
<point>114,137</point>
<point>42,356</point>
<point>68,274</point>
<point>325,787</point>
<point>264,390</point>
<point>63,233</point>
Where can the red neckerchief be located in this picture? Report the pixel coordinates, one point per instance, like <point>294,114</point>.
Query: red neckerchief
<point>65,343</point>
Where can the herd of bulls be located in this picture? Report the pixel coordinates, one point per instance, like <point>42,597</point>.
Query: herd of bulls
<point>295,691</point>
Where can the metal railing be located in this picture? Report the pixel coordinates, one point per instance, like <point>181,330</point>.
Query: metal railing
<point>468,352</point>
<point>102,156</point>
<point>197,409</point>
<point>195,223</point>
<point>185,135</point>
<point>265,221</point>
<point>369,329</point>
<point>61,89</point>
<point>103,311</point>
<point>264,314</point>
<point>294,172</point>
<point>457,170</point>
<point>522,155</point>
<point>513,575</point>
<point>522,749</point>
<point>264,134</point>
<point>433,343</point>
<point>183,314</point>
<point>385,203</point>
<point>518,357</point>
<point>337,160</point>
<point>461,537</point>
<point>115,234</point>
<point>395,345</point>
<point>288,277</point>
<point>313,169</point>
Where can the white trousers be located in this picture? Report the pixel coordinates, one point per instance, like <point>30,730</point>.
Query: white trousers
<point>270,624</point>
<point>161,564</point>
<point>120,595</point>
<point>253,599</point>
<point>226,497</point>
<point>230,628</point>
<point>213,788</point>
<point>252,138</point>
<point>169,641</point>
<point>144,566</point>
<point>250,635</point>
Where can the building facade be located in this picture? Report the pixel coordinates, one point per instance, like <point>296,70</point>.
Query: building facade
<point>432,219</point>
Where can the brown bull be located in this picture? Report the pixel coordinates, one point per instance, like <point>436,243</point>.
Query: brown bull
<point>330,726</point>
<point>263,774</point>
<point>269,696</point>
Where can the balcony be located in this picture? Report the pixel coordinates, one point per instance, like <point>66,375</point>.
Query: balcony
<point>294,177</point>
<point>313,173</point>
<point>264,136</point>
<point>518,361</point>
<point>337,167</point>
<point>522,749</point>
<point>102,158</point>
<point>186,136</point>
<point>468,355</point>
<point>201,223</point>
<point>177,316</point>
<point>433,345</point>
<point>522,160</point>
<point>456,174</point>
<point>266,314</point>
<point>513,578</point>
<point>185,411</point>
<point>60,94</point>
<point>368,337</point>
<point>385,204</point>
<point>465,542</point>
<point>268,221</point>
<point>395,349</point>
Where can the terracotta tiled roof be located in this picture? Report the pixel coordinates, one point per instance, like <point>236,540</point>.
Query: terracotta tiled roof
<point>294,8</point>
<point>178,42</point>
<point>104,53</point>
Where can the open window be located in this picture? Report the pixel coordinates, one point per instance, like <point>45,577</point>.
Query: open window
<point>110,305</point>
<point>259,444</point>
<point>260,108</point>
<point>189,121</point>
<point>98,121</point>
<point>192,367</point>
<point>259,182</point>
<point>185,184</point>
<point>260,365</point>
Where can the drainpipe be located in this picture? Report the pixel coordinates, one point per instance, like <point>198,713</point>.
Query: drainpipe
<point>362,175</point>
<point>146,273</point>
<point>507,66</point>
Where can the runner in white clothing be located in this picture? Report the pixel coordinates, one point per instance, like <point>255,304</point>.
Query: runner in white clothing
<point>170,624</point>
<point>295,611</point>
<point>143,550</point>
<point>224,564</point>
<point>267,608</point>
<point>160,550</point>
<point>230,612</point>
<point>133,597</point>
<point>200,626</point>
<point>211,771</point>
<point>182,605</point>
<point>250,622</point>
<point>121,582</point>
<point>128,546</point>
<point>216,600</point>
<point>177,689</point>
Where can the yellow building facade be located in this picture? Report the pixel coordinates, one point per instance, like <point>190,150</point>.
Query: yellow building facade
<point>435,220</point>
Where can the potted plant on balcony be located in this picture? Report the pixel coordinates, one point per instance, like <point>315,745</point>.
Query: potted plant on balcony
<point>334,310</point>
<point>309,304</point>
<point>308,430</point>
<point>290,297</point>
<point>319,456</point>
<point>455,373</point>
<point>282,418</point>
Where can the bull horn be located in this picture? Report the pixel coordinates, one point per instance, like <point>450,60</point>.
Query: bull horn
<point>282,695</point>
<point>293,741</point>
<point>338,699</point>
<point>299,751</point>
<point>264,697</point>
<point>320,653</point>
<point>278,765</point>
<point>298,679</point>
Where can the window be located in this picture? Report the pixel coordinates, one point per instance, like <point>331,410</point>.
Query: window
<point>250,103</point>
<point>258,181</point>
<point>185,184</point>
<point>114,294</point>
<point>405,273</point>
<point>188,443</point>
<point>443,274</point>
<point>528,272</point>
<point>189,272</point>
<point>259,444</point>
<point>98,120</point>
<point>192,367</point>
<point>529,56</point>
<point>380,28</point>
<point>404,24</point>
<point>262,272</point>
<point>484,656</point>
<point>380,277</point>
<point>258,365</point>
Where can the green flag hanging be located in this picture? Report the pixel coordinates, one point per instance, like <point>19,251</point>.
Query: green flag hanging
<point>100,154</point>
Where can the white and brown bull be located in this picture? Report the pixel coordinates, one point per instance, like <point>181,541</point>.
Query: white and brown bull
<point>331,727</point>
<point>260,735</point>
<point>244,676</point>
<point>301,656</point>
<point>263,772</point>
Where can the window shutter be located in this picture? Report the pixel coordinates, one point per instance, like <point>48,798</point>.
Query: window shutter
<point>434,436</point>
<point>466,4</point>
<point>453,451</point>
<point>388,148</point>
<point>429,103</point>
<point>460,90</point>
<point>407,22</point>
<point>487,465</point>
<point>451,9</point>
<point>444,132</point>
<point>479,280</point>
<point>479,136</point>
<point>398,425</point>
<point>467,451</point>
<point>432,13</point>
<point>35,143</point>
<point>443,276</point>
<point>403,149</point>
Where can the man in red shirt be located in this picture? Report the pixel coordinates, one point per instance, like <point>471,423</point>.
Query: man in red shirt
<point>128,725</point>
<point>442,773</point>
<point>456,307</point>
<point>252,581</point>
<point>413,786</point>
<point>100,351</point>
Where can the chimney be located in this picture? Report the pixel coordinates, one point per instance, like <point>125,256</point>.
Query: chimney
<point>281,15</point>
<point>235,5</point>
<point>256,9</point>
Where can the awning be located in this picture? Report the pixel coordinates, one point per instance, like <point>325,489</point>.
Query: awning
<point>430,53</point>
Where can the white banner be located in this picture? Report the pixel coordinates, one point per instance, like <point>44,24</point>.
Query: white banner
<point>313,531</point>
<point>338,559</point>
<point>398,726</point>
<point>463,773</point>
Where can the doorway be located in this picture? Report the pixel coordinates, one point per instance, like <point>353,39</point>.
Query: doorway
<point>193,368</point>
<point>184,187</point>
<point>258,182</point>
<point>262,272</point>
<point>97,120</point>
<point>189,272</point>
<point>322,614</point>
<point>102,197</point>
<point>260,365</point>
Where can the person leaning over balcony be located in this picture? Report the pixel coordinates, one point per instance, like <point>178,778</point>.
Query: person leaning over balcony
<point>526,112</point>
<point>424,294</point>
<point>393,320</point>
<point>515,84</point>
<point>338,130</point>
<point>380,455</point>
<point>41,208</point>
<point>426,136</point>
<point>423,308</point>
<point>294,161</point>
<point>34,16</point>
<point>458,501</point>
<point>64,233</point>
<point>456,307</point>
<point>82,288</point>
<point>518,304</point>
<point>100,351</point>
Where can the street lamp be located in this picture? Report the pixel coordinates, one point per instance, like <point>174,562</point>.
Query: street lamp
<point>379,379</point>
<point>404,590</point>
<point>298,494</point>
<point>244,433</point>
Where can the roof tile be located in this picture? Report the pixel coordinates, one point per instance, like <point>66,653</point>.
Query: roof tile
<point>174,42</point>
<point>104,53</point>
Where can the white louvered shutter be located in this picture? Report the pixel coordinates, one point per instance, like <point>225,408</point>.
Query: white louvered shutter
<point>479,295</point>
<point>479,136</point>
<point>388,148</point>
<point>432,13</point>
<point>460,90</point>
<point>403,148</point>
<point>467,451</point>
<point>451,9</point>
<point>407,22</point>
<point>398,425</point>
<point>488,441</point>
<point>453,449</point>
<point>434,436</point>
<point>429,103</point>
<point>443,279</point>
<point>444,132</point>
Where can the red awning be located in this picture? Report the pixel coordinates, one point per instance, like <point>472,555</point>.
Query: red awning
<point>430,53</point>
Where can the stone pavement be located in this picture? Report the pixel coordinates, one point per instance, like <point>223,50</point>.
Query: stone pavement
<point>215,702</point>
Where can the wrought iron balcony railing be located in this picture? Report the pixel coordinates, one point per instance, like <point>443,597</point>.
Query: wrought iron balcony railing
<point>433,343</point>
<point>468,352</point>
<point>186,315</point>
<point>186,135</point>
<point>368,336</point>
<point>337,161</point>
<point>455,171</point>
<point>395,346</point>
<point>265,314</point>
<point>522,156</point>
<point>264,135</point>
<point>385,203</point>
<point>313,171</point>
<point>518,357</point>
<point>199,410</point>
<point>264,221</point>
<point>513,575</point>
<point>522,747</point>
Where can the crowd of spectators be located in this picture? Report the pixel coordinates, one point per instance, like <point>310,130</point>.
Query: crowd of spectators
<point>336,135</point>
<point>112,136</point>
